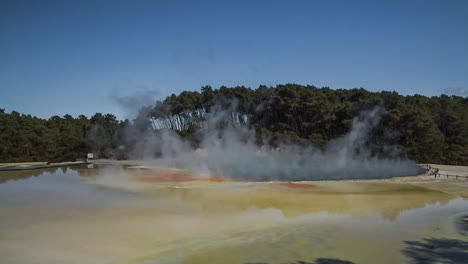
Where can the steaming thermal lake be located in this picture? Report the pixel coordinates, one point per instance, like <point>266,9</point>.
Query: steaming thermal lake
<point>81,215</point>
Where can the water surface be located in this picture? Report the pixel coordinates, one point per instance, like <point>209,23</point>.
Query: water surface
<point>81,215</point>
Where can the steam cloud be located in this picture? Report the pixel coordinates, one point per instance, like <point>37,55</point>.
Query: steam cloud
<point>231,153</point>
<point>132,103</point>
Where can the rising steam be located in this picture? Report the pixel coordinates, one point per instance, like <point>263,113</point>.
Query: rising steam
<point>231,153</point>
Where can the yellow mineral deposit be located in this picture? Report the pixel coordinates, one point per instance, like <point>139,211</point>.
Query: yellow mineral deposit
<point>174,216</point>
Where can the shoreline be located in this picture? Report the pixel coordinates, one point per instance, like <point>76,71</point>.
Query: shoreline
<point>457,187</point>
<point>22,166</point>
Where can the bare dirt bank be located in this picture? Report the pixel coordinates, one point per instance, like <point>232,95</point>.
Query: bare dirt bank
<point>37,165</point>
<point>12,166</point>
<point>117,162</point>
<point>450,185</point>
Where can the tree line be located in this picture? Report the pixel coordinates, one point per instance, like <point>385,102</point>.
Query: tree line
<point>426,129</point>
<point>29,138</point>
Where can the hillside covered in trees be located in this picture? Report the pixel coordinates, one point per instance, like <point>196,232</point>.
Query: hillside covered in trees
<point>428,130</point>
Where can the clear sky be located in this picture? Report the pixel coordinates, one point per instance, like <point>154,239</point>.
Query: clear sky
<point>82,57</point>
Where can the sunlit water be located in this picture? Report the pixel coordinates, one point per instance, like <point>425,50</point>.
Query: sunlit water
<point>80,215</point>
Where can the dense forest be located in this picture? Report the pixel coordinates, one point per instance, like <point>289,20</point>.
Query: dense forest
<point>428,130</point>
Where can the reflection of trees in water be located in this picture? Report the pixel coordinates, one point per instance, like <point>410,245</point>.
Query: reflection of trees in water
<point>437,250</point>
<point>317,261</point>
<point>6,176</point>
<point>81,170</point>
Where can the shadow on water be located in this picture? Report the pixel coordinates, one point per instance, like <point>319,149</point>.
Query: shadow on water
<point>437,250</point>
<point>317,261</point>
<point>462,224</point>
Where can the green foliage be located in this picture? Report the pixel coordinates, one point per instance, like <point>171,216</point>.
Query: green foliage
<point>426,129</point>
<point>27,138</point>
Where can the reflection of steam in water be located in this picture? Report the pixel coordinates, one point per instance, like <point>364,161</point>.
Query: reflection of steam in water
<point>340,198</point>
<point>89,219</point>
<point>357,239</point>
<point>291,198</point>
<point>272,222</point>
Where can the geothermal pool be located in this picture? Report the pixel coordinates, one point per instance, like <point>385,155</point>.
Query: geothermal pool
<point>115,215</point>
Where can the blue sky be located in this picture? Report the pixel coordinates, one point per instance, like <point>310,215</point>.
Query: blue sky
<point>82,57</point>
